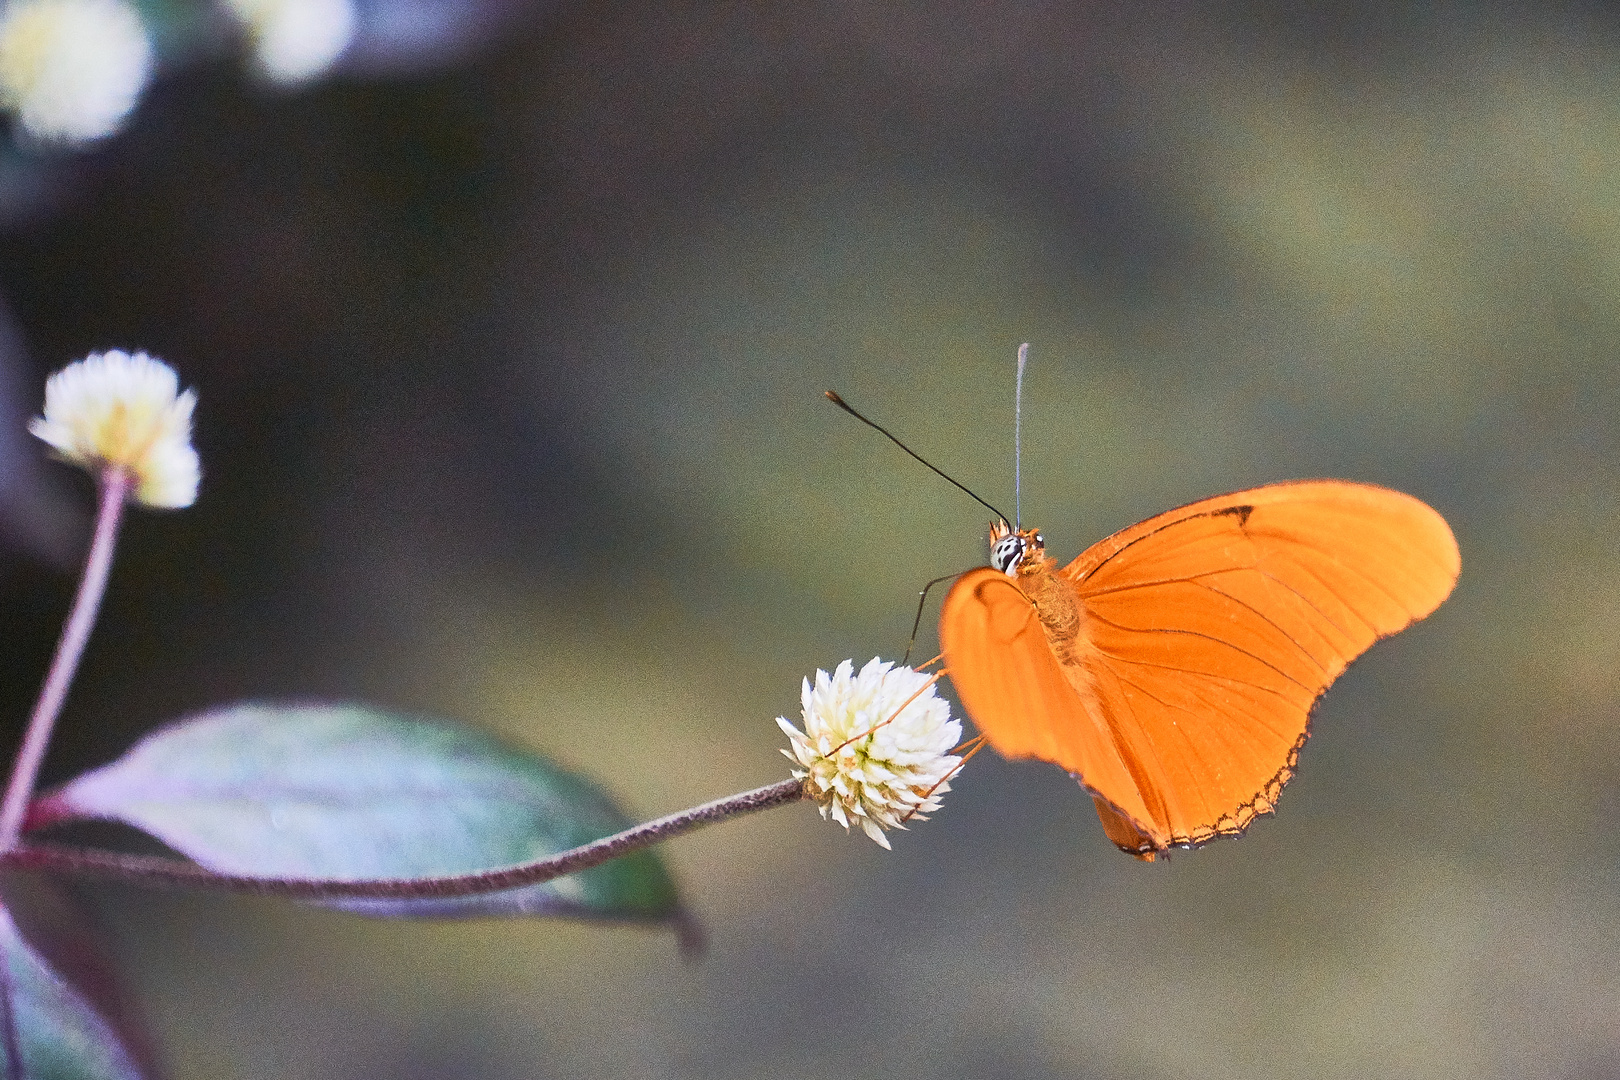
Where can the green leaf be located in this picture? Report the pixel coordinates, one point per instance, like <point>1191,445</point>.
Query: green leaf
<point>61,1036</point>
<point>344,792</point>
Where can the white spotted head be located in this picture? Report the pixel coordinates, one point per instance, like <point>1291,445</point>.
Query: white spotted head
<point>1011,549</point>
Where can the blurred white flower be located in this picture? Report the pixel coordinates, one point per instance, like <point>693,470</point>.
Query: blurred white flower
<point>295,40</point>
<point>866,754</point>
<point>72,69</point>
<point>115,410</point>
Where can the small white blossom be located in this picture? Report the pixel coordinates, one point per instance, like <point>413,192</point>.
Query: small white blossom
<point>295,40</point>
<point>866,755</point>
<point>72,69</point>
<point>115,410</point>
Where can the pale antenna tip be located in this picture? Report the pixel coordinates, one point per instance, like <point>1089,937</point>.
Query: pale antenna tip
<point>1018,439</point>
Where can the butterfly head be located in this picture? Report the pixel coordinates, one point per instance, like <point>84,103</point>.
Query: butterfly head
<point>1011,549</point>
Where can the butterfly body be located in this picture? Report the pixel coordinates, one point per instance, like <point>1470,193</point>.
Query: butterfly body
<point>1172,667</point>
<point>1053,597</point>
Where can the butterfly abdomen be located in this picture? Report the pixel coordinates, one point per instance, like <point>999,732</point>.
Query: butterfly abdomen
<point>1056,605</point>
<point>1063,620</point>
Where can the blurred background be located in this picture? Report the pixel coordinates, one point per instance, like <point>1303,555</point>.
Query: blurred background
<point>510,353</point>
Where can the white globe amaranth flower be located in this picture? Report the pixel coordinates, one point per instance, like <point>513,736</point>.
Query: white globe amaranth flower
<point>117,410</point>
<point>72,69</point>
<point>875,748</point>
<point>295,40</point>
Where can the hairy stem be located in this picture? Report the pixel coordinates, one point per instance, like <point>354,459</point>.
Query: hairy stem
<point>115,487</point>
<point>152,871</point>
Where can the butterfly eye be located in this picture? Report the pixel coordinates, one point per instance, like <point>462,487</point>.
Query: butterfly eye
<point>1007,553</point>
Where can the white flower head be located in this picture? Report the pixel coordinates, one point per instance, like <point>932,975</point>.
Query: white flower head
<point>295,40</point>
<point>875,748</point>
<point>114,410</point>
<point>72,69</point>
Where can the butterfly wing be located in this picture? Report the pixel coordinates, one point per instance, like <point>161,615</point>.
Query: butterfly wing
<point>1208,633</point>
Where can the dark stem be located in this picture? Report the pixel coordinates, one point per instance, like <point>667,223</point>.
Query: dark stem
<point>115,487</point>
<point>150,871</point>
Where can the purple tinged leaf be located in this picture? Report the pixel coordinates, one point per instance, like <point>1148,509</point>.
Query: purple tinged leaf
<point>343,792</point>
<point>65,936</point>
<point>60,1035</point>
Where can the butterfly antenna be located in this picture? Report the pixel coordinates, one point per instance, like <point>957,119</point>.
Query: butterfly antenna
<point>842,404</point>
<point>1018,439</point>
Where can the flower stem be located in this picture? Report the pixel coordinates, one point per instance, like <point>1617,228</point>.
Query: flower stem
<point>157,871</point>
<point>115,487</point>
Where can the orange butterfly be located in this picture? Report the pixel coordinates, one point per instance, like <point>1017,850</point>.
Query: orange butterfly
<point>1172,667</point>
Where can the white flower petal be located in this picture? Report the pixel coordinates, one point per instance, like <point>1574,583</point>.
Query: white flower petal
<point>295,40</point>
<point>124,411</point>
<point>874,743</point>
<point>72,69</point>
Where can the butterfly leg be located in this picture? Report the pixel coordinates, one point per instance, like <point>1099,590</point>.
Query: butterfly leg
<point>972,746</point>
<point>922,600</point>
